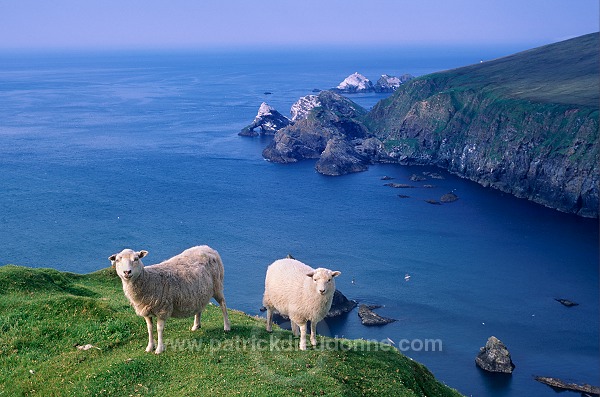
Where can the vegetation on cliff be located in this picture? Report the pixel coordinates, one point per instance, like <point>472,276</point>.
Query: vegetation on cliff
<point>526,124</point>
<point>65,334</point>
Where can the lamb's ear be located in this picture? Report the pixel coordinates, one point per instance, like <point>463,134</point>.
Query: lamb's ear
<point>142,253</point>
<point>112,259</point>
<point>335,274</point>
<point>310,274</point>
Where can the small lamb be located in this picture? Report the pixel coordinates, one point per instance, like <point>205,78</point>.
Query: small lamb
<point>178,287</point>
<point>299,292</point>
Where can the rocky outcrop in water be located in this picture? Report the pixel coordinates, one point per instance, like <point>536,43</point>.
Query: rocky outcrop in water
<point>561,385</point>
<point>268,121</point>
<point>495,357</point>
<point>357,83</point>
<point>325,117</point>
<point>387,83</point>
<point>369,317</point>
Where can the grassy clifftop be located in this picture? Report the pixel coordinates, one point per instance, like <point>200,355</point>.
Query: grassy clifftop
<point>47,316</point>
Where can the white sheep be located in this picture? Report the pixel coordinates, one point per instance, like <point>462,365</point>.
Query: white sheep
<point>299,292</point>
<point>178,287</point>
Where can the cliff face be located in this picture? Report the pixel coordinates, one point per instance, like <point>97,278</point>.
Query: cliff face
<point>525,124</point>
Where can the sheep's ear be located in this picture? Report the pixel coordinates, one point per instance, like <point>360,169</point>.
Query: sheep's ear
<point>310,274</point>
<point>335,274</point>
<point>142,253</point>
<point>112,259</point>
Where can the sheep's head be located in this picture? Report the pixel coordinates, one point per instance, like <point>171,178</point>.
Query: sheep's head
<point>323,280</point>
<point>127,263</point>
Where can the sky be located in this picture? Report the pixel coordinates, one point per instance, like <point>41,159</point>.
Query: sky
<point>178,24</point>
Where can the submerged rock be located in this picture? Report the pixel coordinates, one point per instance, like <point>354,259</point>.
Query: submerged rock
<point>449,198</point>
<point>566,302</point>
<point>495,357</point>
<point>268,121</point>
<point>369,317</point>
<point>562,385</point>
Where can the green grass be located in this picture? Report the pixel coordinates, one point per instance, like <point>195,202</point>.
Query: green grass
<point>45,314</point>
<point>567,72</point>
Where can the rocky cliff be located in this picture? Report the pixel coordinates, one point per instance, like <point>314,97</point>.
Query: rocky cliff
<point>525,124</point>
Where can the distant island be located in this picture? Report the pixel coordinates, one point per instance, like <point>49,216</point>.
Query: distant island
<point>526,124</point>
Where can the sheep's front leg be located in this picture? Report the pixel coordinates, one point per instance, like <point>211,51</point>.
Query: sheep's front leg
<point>196,322</point>
<point>160,326</point>
<point>294,327</point>
<point>150,346</point>
<point>302,336</point>
<point>269,319</point>
<point>313,333</point>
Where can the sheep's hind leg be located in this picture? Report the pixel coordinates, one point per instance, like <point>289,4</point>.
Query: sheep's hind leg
<point>150,326</point>
<point>269,319</point>
<point>313,333</point>
<point>302,336</point>
<point>220,298</point>
<point>160,326</point>
<point>196,321</point>
<point>295,328</point>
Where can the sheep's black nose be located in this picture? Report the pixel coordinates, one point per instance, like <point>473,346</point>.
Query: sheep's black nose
<point>322,291</point>
<point>127,272</point>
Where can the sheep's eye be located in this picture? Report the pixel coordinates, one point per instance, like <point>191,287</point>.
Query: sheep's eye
<point>329,280</point>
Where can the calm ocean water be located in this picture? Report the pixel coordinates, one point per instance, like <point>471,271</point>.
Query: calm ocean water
<point>104,151</point>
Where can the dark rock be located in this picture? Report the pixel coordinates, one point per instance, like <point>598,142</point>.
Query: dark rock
<point>340,305</point>
<point>562,385</point>
<point>268,93</point>
<point>268,121</point>
<point>449,198</point>
<point>417,178</point>
<point>329,115</point>
<point>566,302</point>
<point>434,202</point>
<point>340,158</point>
<point>403,196</point>
<point>495,357</point>
<point>399,185</point>
<point>369,317</point>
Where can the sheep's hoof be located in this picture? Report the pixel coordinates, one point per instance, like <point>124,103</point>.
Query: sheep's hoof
<point>159,350</point>
<point>150,348</point>
<point>195,327</point>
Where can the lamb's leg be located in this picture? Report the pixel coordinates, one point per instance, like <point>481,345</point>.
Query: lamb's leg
<point>313,333</point>
<point>160,326</point>
<point>269,319</point>
<point>196,321</point>
<point>220,298</point>
<point>150,336</point>
<point>295,329</point>
<point>302,336</point>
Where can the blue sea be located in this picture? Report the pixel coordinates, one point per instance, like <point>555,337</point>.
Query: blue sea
<point>107,150</point>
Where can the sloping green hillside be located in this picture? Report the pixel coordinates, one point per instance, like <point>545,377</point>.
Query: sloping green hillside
<point>567,73</point>
<point>46,315</point>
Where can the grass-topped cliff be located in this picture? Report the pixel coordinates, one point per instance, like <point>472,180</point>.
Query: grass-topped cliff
<point>526,124</point>
<point>46,314</point>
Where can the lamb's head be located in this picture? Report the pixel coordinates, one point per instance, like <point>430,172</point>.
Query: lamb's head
<point>127,263</point>
<point>323,280</point>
